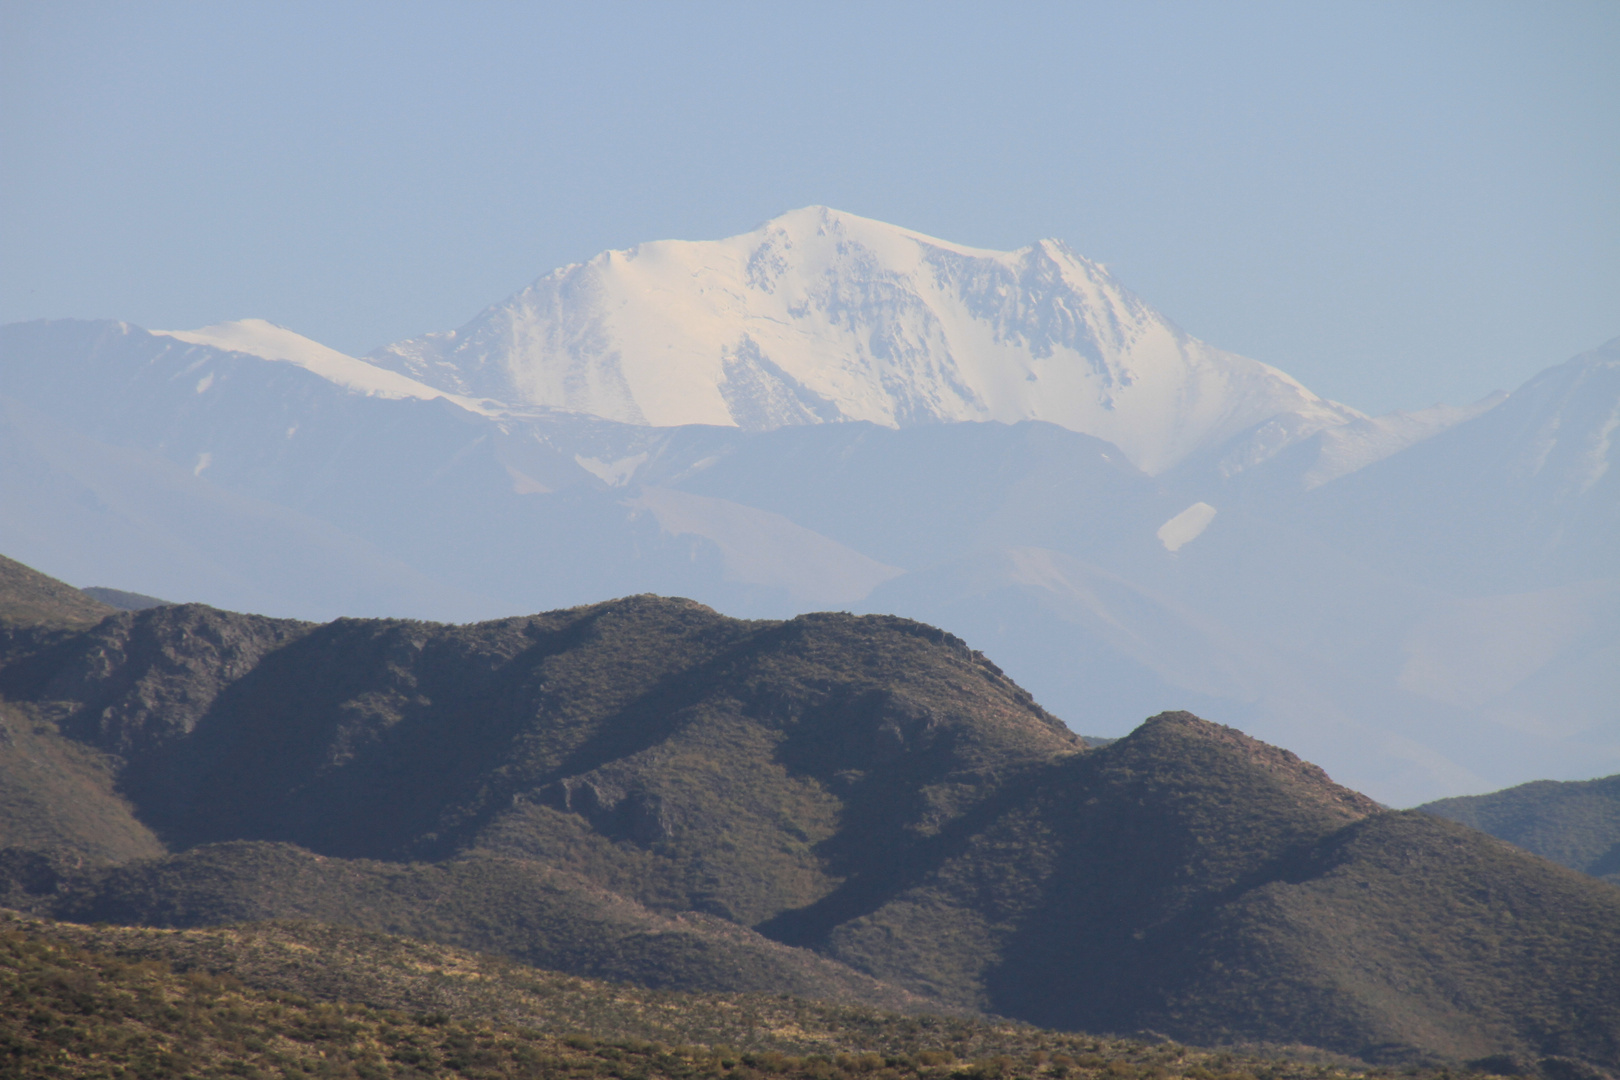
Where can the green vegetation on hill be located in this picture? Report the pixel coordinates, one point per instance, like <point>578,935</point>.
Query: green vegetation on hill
<point>1574,823</point>
<point>1057,906</point>
<point>1450,927</point>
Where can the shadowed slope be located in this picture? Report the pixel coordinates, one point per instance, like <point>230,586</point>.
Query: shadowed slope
<point>1195,881</point>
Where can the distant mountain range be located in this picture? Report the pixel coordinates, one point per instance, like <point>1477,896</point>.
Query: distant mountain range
<point>859,809</point>
<point>834,413</point>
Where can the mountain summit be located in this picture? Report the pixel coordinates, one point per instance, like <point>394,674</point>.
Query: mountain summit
<point>821,316</point>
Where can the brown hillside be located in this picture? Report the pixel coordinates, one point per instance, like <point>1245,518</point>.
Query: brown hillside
<point>30,598</point>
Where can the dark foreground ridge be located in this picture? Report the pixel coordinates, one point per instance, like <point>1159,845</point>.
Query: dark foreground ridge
<point>859,810</point>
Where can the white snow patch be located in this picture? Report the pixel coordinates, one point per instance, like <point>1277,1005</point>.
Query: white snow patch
<point>267,341</point>
<point>1186,526</point>
<point>205,382</point>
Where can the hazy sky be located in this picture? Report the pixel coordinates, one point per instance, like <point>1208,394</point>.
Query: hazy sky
<point>1397,203</point>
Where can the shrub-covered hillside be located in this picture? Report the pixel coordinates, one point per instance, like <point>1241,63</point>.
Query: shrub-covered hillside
<point>298,1000</point>
<point>860,810</point>
<point>1575,823</point>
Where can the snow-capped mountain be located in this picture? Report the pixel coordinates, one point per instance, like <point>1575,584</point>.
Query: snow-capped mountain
<point>821,316</point>
<point>1428,603</point>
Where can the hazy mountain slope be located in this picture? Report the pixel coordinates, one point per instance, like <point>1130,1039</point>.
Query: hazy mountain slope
<point>919,496</point>
<point>1338,451</point>
<point>453,503</point>
<point>256,337</point>
<point>819,316</point>
<point>122,599</point>
<point>1472,577</point>
<point>1543,666</point>
<point>1525,496</point>
<point>94,511</point>
<point>1085,637</point>
<point>258,421</point>
<point>1575,823</point>
<point>30,598</point>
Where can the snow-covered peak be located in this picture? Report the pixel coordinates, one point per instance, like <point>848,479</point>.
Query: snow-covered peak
<point>266,340</point>
<point>820,316</point>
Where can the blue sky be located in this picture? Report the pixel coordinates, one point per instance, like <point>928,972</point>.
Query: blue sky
<point>1397,203</point>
